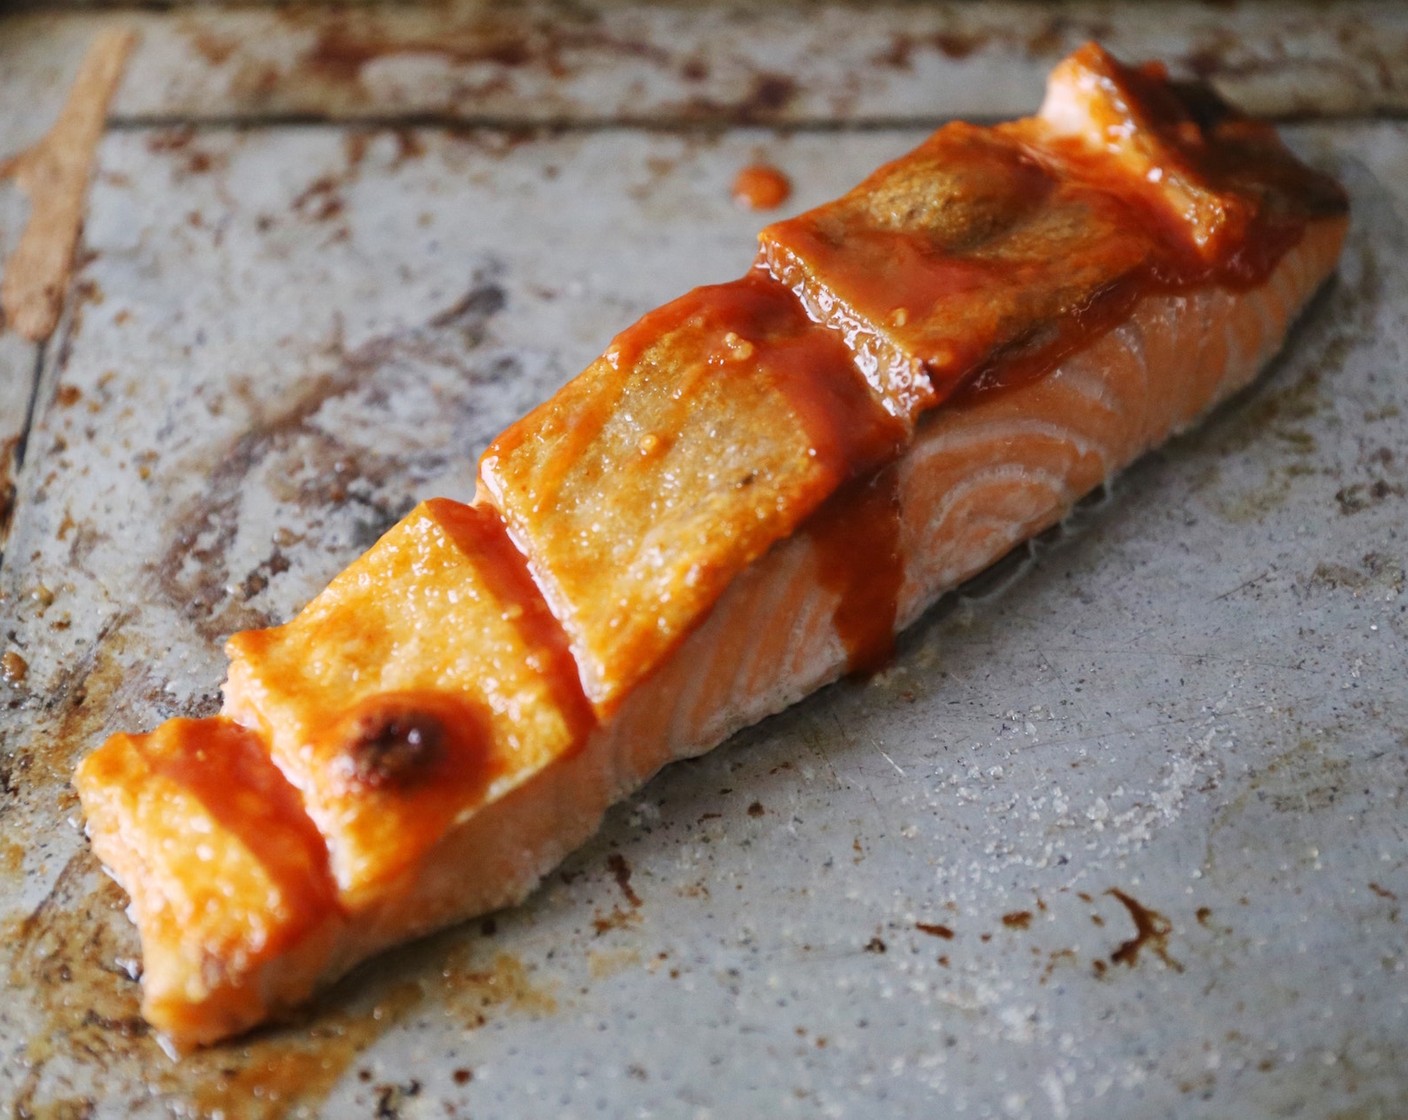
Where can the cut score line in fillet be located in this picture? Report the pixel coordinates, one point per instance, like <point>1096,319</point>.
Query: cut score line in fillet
<point>751,491</point>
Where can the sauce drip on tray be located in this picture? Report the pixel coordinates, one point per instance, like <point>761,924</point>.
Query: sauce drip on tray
<point>857,534</point>
<point>760,186</point>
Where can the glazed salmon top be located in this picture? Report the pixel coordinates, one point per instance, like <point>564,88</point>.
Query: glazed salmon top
<point>719,423</point>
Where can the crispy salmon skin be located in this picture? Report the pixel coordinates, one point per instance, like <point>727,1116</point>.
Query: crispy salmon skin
<point>744,498</point>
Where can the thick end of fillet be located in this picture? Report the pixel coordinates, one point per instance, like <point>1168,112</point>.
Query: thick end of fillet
<point>968,251</point>
<point>1214,174</point>
<point>994,469</point>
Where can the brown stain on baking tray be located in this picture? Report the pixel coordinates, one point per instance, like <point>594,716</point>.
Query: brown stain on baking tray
<point>54,174</point>
<point>75,961</point>
<point>474,990</point>
<point>1151,931</point>
<point>193,573</point>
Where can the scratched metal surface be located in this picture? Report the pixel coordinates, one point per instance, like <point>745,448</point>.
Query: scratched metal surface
<point>610,61</point>
<point>892,900</point>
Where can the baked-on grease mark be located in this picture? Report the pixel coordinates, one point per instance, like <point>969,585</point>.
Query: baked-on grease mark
<point>617,919</point>
<point>768,97</point>
<point>493,46</point>
<point>9,467</point>
<point>621,871</point>
<point>934,929</point>
<point>1360,496</point>
<point>54,173</point>
<point>193,573</point>
<point>1151,931</point>
<point>13,667</point>
<point>69,706</point>
<point>73,971</point>
<point>391,1097</point>
<point>186,157</point>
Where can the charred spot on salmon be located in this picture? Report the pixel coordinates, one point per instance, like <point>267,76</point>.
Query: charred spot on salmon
<point>392,748</point>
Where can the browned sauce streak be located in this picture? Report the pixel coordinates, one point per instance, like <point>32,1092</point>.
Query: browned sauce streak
<point>480,533</point>
<point>857,536</point>
<point>222,765</point>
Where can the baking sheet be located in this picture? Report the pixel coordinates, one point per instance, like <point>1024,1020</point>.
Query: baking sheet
<point>1121,831</point>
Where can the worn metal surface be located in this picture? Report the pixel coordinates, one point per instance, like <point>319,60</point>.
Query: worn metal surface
<point>605,62</point>
<point>894,899</point>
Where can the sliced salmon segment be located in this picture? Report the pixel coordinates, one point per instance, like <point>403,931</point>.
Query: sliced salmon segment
<point>743,499</point>
<point>707,432</point>
<point>428,677</point>
<point>954,254</point>
<point>228,875</point>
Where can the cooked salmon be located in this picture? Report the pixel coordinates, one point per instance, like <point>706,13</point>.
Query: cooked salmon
<point>934,367</point>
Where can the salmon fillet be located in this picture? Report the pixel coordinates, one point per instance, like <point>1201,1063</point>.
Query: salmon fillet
<point>744,498</point>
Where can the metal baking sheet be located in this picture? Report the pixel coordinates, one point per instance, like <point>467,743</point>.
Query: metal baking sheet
<point>1120,832</point>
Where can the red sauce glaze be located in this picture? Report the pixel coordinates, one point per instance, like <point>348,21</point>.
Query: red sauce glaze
<point>760,186</point>
<point>216,759</point>
<point>808,363</point>
<point>750,329</point>
<point>480,532</point>
<point>857,537</point>
<point>1267,197</point>
<point>1268,193</point>
<point>848,430</point>
<point>857,527</point>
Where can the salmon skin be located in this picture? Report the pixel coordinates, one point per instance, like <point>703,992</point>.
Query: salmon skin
<point>937,365</point>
